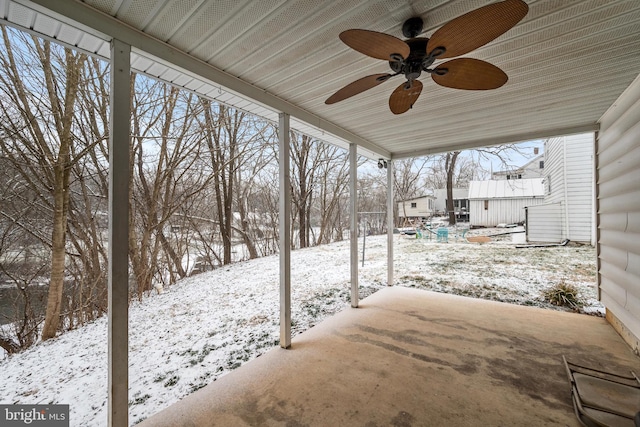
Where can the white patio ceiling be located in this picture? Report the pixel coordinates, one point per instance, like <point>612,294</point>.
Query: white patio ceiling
<point>567,62</point>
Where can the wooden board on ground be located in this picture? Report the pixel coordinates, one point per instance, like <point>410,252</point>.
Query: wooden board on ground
<point>478,239</point>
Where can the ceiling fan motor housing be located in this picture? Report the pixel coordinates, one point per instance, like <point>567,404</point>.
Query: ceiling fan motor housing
<point>414,64</point>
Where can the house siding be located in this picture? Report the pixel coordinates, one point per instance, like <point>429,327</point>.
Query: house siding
<point>530,170</point>
<point>441,197</point>
<point>569,180</point>
<point>618,215</point>
<point>504,200</point>
<point>580,197</point>
<point>544,223</point>
<point>499,211</point>
<point>424,208</point>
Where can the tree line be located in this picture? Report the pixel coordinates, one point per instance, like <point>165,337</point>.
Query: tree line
<point>203,190</point>
<point>203,187</point>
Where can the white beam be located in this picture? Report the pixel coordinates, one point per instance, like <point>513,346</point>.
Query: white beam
<point>118,275</point>
<point>508,139</point>
<point>353,215</point>
<point>284,224</point>
<point>95,20</point>
<point>390,224</point>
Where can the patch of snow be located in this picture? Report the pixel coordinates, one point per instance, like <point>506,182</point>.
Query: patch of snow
<point>207,325</point>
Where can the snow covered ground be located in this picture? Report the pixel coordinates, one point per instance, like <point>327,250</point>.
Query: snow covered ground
<point>207,325</point>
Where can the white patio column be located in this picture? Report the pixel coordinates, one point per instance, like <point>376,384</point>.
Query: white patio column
<point>284,224</point>
<point>353,215</point>
<point>390,224</point>
<point>118,274</point>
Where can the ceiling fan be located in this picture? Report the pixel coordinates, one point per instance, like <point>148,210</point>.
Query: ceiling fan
<point>415,55</point>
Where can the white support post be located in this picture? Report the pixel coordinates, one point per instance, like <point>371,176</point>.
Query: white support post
<point>118,274</point>
<point>284,223</point>
<point>390,224</point>
<point>353,215</point>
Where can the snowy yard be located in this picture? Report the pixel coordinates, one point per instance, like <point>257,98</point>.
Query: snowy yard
<point>207,325</point>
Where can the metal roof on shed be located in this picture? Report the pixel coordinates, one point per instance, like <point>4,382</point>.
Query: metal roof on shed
<point>506,188</point>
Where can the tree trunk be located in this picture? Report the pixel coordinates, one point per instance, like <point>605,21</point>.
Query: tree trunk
<point>302,209</point>
<point>450,167</point>
<point>61,189</point>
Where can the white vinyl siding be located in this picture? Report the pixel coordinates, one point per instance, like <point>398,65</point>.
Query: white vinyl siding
<point>440,203</point>
<point>544,223</point>
<point>499,211</point>
<point>569,179</point>
<point>416,208</point>
<point>494,202</point>
<point>618,189</point>
<point>530,170</point>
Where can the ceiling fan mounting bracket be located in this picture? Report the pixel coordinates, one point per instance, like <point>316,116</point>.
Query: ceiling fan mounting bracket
<point>412,27</point>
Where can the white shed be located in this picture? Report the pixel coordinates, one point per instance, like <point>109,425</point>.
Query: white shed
<point>494,202</point>
<point>569,192</point>
<point>416,208</point>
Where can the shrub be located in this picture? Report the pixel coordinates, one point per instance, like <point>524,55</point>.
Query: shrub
<point>564,295</point>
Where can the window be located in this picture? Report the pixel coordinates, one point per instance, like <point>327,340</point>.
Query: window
<point>486,205</point>
<point>414,205</point>
<point>541,164</point>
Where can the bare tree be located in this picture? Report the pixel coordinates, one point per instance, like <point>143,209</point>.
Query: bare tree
<point>450,167</point>
<point>457,168</point>
<point>408,176</point>
<point>21,263</point>
<point>246,178</point>
<point>42,124</point>
<point>333,186</point>
<point>88,199</point>
<point>306,155</point>
<point>166,146</point>
<point>234,140</point>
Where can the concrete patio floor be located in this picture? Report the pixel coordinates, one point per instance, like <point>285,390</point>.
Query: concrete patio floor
<point>408,357</point>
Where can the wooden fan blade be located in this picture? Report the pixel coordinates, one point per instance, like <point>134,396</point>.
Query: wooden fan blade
<point>401,100</point>
<point>374,44</point>
<point>357,87</point>
<point>477,28</point>
<point>470,74</point>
